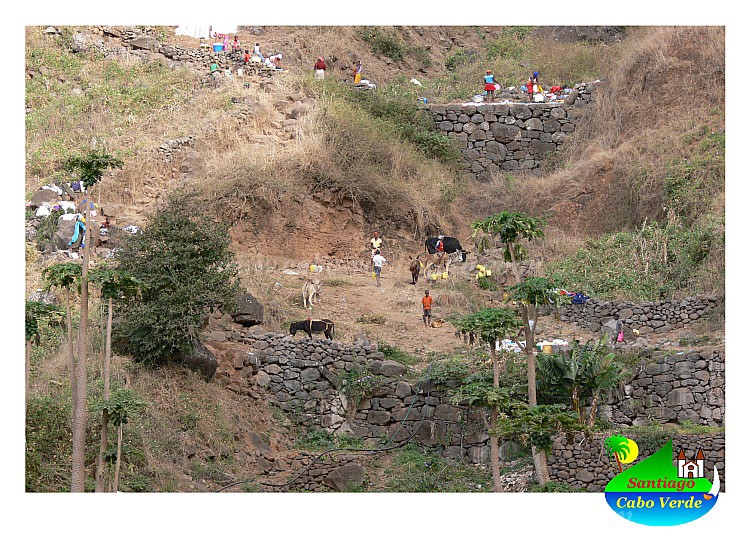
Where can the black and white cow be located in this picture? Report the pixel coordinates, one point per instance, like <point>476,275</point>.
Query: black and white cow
<point>450,245</point>
<point>324,326</point>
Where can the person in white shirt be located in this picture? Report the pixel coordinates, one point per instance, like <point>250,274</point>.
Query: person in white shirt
<point>378,262</point>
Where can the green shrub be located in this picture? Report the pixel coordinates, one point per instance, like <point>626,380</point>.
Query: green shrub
<point>383,43</point>
<point>459,57</point>
<point>395,354</point>
<point>509,45</point>
<point>487,284</point>
<point>371,319</point>
<point>186,265</point>
<point>416,470</point>
<point>357,384</point>
<point>48,443</point>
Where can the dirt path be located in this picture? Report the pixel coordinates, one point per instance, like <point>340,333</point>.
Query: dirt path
<point>391,313</point>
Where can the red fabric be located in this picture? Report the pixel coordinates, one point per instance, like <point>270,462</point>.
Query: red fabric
<point>427,302</point>
<point>490,87</point>
<point>320,65</point>
<point>555,89</point>
<point>439,246</point>
<point>246,58</point>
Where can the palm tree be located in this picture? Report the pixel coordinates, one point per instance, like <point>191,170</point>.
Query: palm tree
<point>66,276</point>
<point>114,284</point>
<point>618,446</point>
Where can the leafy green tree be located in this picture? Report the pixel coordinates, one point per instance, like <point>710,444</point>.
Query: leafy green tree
<point>489,325</point>
<point>121,405</point>
<point>536,425</point>
<point>67,276</point>
<point>114,284</point>
<point>90,168</point>
<point>511,229</point>
<point>184,261</point>
<point>582,374</point>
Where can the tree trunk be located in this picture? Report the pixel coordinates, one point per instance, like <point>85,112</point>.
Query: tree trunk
<point>514,267</point>
<point>497,367</point>
<point>78,480</point>
<point>593,409</point>
<point>106,395</point>
<point>495,463</point>
<point>618,460</point>
<point>541,465</point>
<point>72,357</point>
<point>117,460</point>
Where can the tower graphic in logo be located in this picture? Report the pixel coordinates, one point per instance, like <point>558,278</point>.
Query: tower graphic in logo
<point>691,469</point>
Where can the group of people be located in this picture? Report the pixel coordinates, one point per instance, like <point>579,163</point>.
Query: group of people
<point>532,87</point>
<point>377,261</point>
<point>244,59</point>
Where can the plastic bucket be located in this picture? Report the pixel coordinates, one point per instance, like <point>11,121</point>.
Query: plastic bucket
<point>218,47</point>
<point>547,348</point>
<point>488,273</point>
<point>445,275</point>
<point>434,277</point>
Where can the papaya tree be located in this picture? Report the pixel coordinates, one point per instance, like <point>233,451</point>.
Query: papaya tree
<point>66,276</point>
<point>90,169</point>
<point>114,284</point>
<point>489,325</point>
<point>121,405</point>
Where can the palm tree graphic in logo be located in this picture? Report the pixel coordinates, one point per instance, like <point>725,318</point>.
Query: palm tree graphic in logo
<point>624,449</point>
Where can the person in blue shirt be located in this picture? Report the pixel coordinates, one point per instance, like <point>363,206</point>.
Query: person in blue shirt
<point>489,85</point>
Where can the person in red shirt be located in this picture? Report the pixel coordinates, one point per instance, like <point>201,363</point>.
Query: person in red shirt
<point>439,246</point>
<point>246,57</point>
<point>320,68</point>
<point>427,303</point>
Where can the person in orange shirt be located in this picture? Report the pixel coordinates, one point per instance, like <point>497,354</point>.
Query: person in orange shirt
<point>427,303</point>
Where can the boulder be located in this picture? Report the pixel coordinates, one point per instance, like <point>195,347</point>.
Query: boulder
<point>145,43</point>
<point>200,360</point>
<point>505,133</point>
<point>249,311</point>
<point>391,369</point>
<point>44,297</point>
<point>43,195</point>
<point>346,477</point>
<point>64,234</point>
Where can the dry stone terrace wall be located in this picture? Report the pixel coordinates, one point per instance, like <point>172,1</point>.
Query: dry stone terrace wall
<point>583,463</point>
<point>646,317</point>
<point>683,386</point>
<point>510,137</point>
<point>301,376</point>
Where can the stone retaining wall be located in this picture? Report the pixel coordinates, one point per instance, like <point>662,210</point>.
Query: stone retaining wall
<point>683,386</point>
<point>583,463</point>
<point>647,317</point>
<point>301,377</point>
<point>510,136</point>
